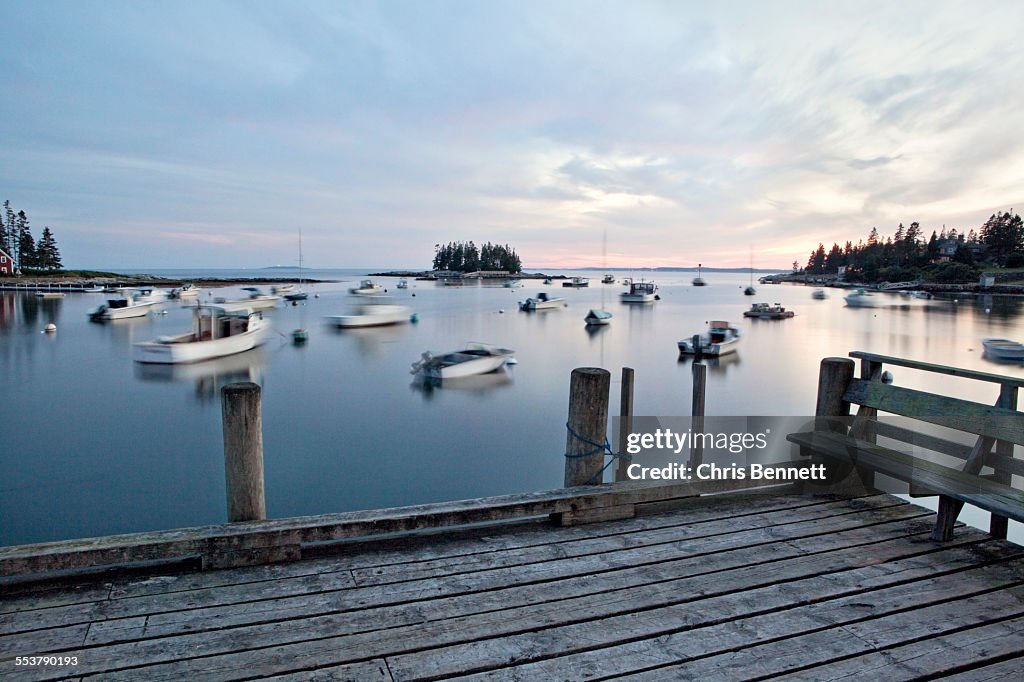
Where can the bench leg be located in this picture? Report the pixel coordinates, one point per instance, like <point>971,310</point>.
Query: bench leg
<point>997,527</point>
<point>949,509</point>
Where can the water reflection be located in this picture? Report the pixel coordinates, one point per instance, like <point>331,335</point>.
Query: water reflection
<point>209,376</point>
<point>478,384</point>
<point>371,341</point>
<point>719,364</point>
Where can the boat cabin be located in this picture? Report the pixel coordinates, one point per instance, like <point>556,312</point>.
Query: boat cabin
<point>719,331</point>
<point>217,322</point>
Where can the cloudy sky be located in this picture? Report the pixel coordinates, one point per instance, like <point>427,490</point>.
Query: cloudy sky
<point>206,134</point>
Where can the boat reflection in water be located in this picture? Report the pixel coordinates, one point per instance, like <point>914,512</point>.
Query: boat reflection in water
<point>209,376</point>
<point>478,384</point>
<point>719,364</point>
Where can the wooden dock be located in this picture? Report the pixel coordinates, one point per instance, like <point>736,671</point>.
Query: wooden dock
<point>731,586</point>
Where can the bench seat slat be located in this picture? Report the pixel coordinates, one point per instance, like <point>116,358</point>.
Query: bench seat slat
<point>962,415</point>
<point>980,492</point>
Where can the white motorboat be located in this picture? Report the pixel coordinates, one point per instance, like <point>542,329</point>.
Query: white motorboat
<point>721,338</point>
<point>133,303</point>
<point>372,315</point>
<point>698,281</point>
<point>257,299</point>
<point>1003,349</point>
<point>576,282</point>
<point>217,330</point>
<point>403,283</point>
<point>819,295</point>
<point>608,279</point>
<point>367,288</point>
<point>542,302</point>
<point>861,299</point>
<point>598,317</point>
<point>476,358</point>
<point>764,311</point>
<point>282,289</point>
<point>184,291</point>
<point>640,292</point>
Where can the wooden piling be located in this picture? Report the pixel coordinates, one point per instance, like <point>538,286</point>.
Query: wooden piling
<point>625,423</point>
<point>700,378</point>
<point>243,451</point>
<point>588,424</point>
<point>834,376</point>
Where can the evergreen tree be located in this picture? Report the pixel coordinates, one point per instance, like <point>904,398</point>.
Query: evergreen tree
<point>11,244</point>
<point>26,244</point>
<point>47,253</point>
<point>1002,234</point>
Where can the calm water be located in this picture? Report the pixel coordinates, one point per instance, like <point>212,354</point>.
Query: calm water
<point>92,443</point>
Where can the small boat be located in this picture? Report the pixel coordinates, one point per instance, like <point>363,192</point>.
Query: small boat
<point>764,311</point>
<point>217,330</point>
<point>367,288</point>
<point>476,358</point>
<point>819,295</point>
<point>750,291</point>
<point>577,282</point>
<point>92,290</point>
<point>282,289</point>
<point>257,299</point>
<point>403,283</point>
<point>861,299</point>
<point>923,295</point>
<point>640,292</point>
<point>608,279</point>
<point>184,291</point>
<point>372,315</point>
<point>1003,349</point>
<point>698,281</point>
<point>49,294</point>
<point>598,317</point>
<point>296,296</point>
<point>512,284</point>
<point>133,303</point>
<point>542,302</point>
<point>547,280</point>
<point>721,338</point>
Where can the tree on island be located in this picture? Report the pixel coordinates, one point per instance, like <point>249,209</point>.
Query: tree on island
<point>908,255</point>
<point>466,257</point>
<point>17,240</point>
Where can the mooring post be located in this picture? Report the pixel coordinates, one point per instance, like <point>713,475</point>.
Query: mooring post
<point>587,425</point>
<point>834,376</point>
<point>625,423</point>
<point>243,451</point>
<point>700,378</point>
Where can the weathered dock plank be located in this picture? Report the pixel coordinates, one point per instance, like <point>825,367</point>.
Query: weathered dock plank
<point>721,588</point>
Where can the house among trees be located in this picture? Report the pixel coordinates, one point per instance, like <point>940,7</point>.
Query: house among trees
<point>6,263</point>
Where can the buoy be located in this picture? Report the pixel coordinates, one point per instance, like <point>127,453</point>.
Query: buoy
<point>414,318</point>
<point>988,310</point>
<point>316,295</point>
<point>501,311</point>
<point>299,336</point>
<point>50,328</point>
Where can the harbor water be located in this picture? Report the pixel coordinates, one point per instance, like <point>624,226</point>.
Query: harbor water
<point>92,443</point>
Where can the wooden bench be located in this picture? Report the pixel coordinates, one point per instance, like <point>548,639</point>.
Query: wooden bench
<point>854,454</point>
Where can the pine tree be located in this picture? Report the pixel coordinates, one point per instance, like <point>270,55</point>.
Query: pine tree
<point>11,244</point>
<point>47,253</point>
<point>26,244</point>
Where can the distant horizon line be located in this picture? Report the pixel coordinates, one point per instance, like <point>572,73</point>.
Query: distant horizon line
<point>663,268</point>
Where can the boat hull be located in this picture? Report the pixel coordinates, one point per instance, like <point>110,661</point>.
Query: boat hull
<point>1004,349</point>
<point>463,363</point>
<point>638,298</point>
<point>387,315</point>
<point>182,350</point>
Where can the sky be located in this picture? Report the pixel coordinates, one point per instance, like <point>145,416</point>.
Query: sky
<point>208,134</point>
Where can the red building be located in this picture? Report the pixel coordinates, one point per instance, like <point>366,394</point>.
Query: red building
<point>6,263</point>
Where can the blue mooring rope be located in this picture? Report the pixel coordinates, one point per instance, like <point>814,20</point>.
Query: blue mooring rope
<point>605,447</point>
